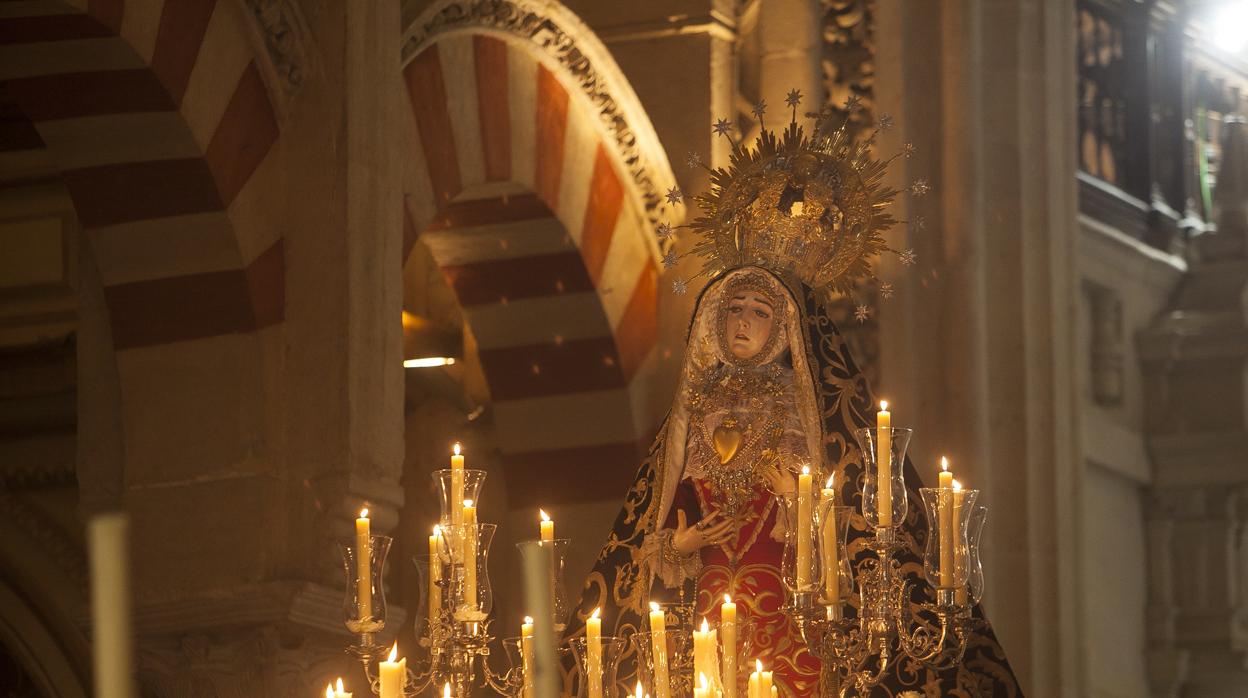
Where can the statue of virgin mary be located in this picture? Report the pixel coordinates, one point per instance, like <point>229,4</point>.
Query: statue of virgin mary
<point>767,386</point>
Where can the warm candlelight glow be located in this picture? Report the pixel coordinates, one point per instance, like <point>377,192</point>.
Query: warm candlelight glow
<point>830,478</point>
<point>654,607</point>
<point>329,690</point>
<point>394,652</point>
<point>638,689</point>
<point>727,598</point>
<point>883,404</point>
<point>702,680</point>
<point>543,514</point>
<point>437,530</point>
<point>528,620</point>
<point>944,464</point>
<point>340,689</point>
<point>456,449</point>
<point>446,690</point>
<point>957,486</point>
<point>364,513</point>
<point>595,613</point>
<point>705,626</point>
<point>758,665</point>
<point>467,502</point>
<point>805,469</point>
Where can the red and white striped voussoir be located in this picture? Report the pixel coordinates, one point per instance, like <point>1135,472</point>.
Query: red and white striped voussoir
<point>157,118</point>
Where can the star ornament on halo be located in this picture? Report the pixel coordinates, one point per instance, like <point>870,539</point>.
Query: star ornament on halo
<point>886,290</point>
<point>722,127</point>
<point>664,231</point>
<point>885,122</point>
<point>794,98</point>
<point>669,259</point>
<point>920,187</point>
<point>680,287</point>
<point>760,108</point>
<point>908,257</point>
<point>853,103</point>
<point>694,159</point>
<point>862,313</point>
<point>674,196</point>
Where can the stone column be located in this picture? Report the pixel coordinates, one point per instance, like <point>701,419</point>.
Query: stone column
<point>978,343</point>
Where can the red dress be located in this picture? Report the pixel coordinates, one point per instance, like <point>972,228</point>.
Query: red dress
<point>753,580</point>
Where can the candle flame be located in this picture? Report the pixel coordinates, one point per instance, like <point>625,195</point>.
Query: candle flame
<point>329,690</point>
<point>446,690</point>
<point>883,405</point>
<point>830,478</point>
<point>639,689</point>
<point>727,598</point>
<point>653,607</point>
<point>364,513</point>
<point>705,626</point>
<point>457,448</point>
<point>467,502</point>
<point>543,514</point>
<point>944,464</point>
<point>394,652</point>
<point>702,680</point>
<point>594,615</point>
<point>340,688</point>
<point>805,469</point>
<point>528,620</point>
<point>437,530</point>
<point>758,665</point>
<point>957,486</point>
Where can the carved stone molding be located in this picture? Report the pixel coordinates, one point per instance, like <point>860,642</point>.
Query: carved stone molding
<point>279,28</point>
<point>552,31</point>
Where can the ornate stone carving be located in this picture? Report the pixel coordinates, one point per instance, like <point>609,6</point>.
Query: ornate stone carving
<point>279,25</point>
<point>849,59</point>
<point>557,33</point>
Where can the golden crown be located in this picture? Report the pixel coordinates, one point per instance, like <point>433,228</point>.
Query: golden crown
<point>813,207</point>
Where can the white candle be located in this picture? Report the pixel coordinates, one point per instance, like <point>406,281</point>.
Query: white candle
<point>756,678</point>
<point>705,656</point>
<point>363,567</point>
<point>457,485</point>
<point>945,522</point>
<point>469,555</point>
<point>955,524</point>
<point>593,654</point>
<point>884,463</point>
<point>435,574</point>
<point>830,544</point>
<point>110,605</point>
<point>547,527</point>
<point>393,674</point>
<point>446,690</point>
<point>703,687</point>
<point>805,519</point>
<point>658,639</point>
<point>728,623</point>
<point>526,655</point>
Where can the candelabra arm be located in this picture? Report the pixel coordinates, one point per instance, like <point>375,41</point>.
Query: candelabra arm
<point>921,645</point>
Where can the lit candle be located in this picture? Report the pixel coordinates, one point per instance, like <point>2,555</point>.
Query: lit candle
<point>469,538</point>
<point>884,465</point>
<point>703,689</point>
<point>339,692</point>
<point>526,655</point>
<point>435,574</point>
<point>955,525</point>
<point>705,657</point>
<point>548,527</point>
<point>830,544</point>
<point>113,655</point>
<point>765,689</point>
<point>728,623</point>
<point>640,692</point>
<point>457,485</point>
<point>329,690</point>
<point>658,639</point>
<point>393,674</point>
<point>945,521</point>
<point>446,690</point>
<point>593,654</point>
<point>363,567</point>
<point>805,519</point>
<point>756,679</point>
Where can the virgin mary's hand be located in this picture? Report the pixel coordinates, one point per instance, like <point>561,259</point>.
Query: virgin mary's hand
<point>688,539</point>
<point>781,481</point>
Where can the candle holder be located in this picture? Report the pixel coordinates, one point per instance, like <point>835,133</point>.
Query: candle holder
<point>869,441</point>
<point>560,609</point>
<point>471,596</point>
<point>679,645</point>
<point>946,562</point>
<point>510,681</point>
<point>744,654</point>
<point>364,604</point>
<point>799,573</point>
<point>424,617</point>
<point>836,577</point>
<point>473,481</point>
<point>975,569</point>
<point>612,650</point>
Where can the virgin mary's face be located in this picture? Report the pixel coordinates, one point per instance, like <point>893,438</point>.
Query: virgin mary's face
<point>749,323</point>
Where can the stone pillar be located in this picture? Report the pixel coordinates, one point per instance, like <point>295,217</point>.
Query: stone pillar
<point>790,50</point>
<point>978,342</point>
<point>1195,362</point>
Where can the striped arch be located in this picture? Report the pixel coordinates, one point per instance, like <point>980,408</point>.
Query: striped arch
<point>157,119</point>
<point>541,220</point>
